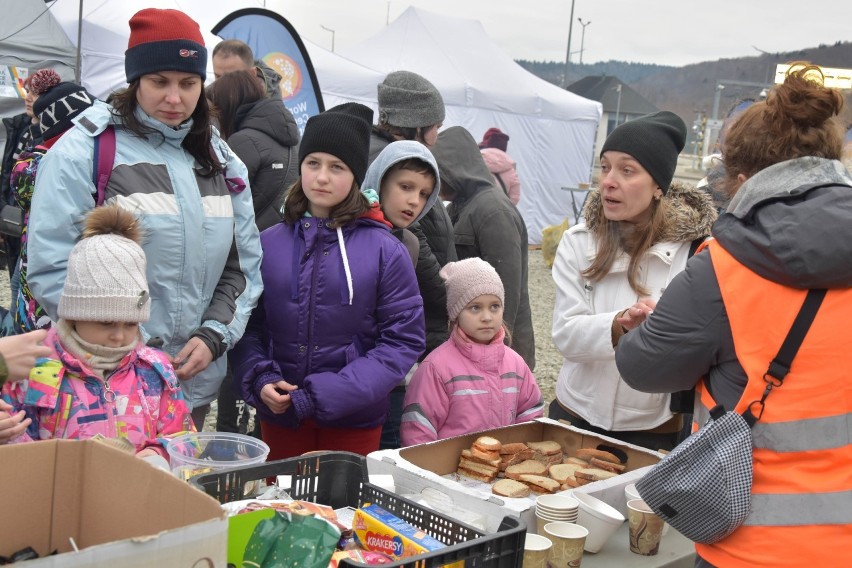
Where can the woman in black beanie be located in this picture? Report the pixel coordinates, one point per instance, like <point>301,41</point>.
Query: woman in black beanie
<point>638,234</point>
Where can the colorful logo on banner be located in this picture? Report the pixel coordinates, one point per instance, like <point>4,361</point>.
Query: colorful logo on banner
<point>12,81</point>
<point>274,41</point>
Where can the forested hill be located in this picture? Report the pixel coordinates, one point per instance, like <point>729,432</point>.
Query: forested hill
<point>690,89</point>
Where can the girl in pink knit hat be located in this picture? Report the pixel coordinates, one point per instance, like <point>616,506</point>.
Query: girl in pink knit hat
<point>473,381</point>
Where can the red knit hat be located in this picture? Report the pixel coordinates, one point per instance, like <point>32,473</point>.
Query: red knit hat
<point>164,40</point>
<point>495,138</point>
<point>42,81</point>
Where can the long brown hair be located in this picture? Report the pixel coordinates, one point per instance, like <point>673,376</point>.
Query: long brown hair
<point>196,142</point>
<point>351,208</point>
<point>798,118</point>
<point>231,91</point>
<point>634,238</point>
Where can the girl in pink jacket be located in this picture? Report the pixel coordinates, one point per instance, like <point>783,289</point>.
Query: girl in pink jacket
<point>473,381</point>
<point>101,378</point>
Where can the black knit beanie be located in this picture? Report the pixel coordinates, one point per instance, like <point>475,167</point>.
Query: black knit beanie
<point>342,131</point>
<point>56,107</point>
<point>654,140</point>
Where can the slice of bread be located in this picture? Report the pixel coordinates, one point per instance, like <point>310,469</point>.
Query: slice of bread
<point>570,483</point>
<point>487,444</point>
<point>549,459</point>
<point>481,457</point>
<point>513,448</point>
<point>526,467</point>
<point>510,488</point>
<point>546,447</point>
<point>540,483</point>
<point>593,474</point>
<point>484,477</point>
<point>563,471</point>
<point>609,466</point>
<point>589,453</point>
<point>578,461</point>
<point>477,466</point>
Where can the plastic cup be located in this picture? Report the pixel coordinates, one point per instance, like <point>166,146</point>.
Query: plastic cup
<point>536,551</point>
<point>646,528</point>
<point>600,519</point>
<point>568,542</point>
<point>196,453</point>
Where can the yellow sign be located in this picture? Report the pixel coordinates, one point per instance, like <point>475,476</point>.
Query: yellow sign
<point>834,78</point>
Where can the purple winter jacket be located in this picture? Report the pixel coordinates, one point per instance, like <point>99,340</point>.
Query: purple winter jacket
<point>344,347</point>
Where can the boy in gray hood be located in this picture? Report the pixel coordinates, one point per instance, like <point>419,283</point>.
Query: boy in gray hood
<point>405,175</point>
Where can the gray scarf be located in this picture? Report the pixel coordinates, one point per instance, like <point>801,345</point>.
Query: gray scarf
<point>100,359</point>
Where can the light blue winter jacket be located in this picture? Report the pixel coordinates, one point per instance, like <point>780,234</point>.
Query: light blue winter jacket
<point>199,283</point>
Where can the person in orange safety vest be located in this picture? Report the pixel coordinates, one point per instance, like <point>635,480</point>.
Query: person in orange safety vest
<point>787,229</point>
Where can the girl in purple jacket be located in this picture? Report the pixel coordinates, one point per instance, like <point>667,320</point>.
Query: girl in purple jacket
<point>340,321</point>
<point>473,381</point>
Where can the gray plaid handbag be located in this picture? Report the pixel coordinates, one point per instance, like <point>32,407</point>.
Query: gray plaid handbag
<point>703,487</point>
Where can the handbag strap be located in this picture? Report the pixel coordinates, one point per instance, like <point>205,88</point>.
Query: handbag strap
<point>780,365</point>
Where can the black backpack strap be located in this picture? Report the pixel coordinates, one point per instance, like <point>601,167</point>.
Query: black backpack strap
<point>780,365</point>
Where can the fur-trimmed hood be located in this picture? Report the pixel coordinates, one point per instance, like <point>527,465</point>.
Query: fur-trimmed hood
<point>690,213</point>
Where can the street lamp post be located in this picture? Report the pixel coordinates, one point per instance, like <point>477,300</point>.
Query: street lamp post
<point>332,36</point>
<point>582,37</point>
<point>617,105</point>
<point>568,54</point>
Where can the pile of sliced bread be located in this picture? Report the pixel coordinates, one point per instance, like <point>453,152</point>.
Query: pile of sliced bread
<point>539,467</point>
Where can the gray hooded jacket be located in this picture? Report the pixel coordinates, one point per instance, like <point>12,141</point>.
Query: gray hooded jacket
<point>488,226</point>
<point>427,265</point>
<point>789,223</point>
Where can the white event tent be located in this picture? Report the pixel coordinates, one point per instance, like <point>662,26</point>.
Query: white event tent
<point>552,131</point>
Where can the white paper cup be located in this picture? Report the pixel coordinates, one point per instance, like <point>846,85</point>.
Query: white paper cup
<point>536,551</point>
<point>600,519</point>
<point>630,493</point>
<point>646,528</point>
<point>568,542</point>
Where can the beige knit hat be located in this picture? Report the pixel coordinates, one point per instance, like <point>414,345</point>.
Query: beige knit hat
<point>468,279</point>
<point>106,271</point>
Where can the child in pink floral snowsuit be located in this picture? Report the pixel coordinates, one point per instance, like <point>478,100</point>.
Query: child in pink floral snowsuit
<point>101,378</point>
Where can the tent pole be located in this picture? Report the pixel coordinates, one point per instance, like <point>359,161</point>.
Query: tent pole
<point>78,71</point>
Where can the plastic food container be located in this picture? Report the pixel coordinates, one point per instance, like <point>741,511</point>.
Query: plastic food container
<point>197,453</point>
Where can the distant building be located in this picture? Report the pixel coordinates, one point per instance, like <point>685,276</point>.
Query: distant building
<point>620,103</point>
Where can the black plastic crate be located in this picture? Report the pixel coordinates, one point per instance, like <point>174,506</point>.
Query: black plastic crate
<point>339,479</point>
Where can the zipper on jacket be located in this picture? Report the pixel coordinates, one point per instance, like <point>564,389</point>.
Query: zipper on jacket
<point>108,396</point>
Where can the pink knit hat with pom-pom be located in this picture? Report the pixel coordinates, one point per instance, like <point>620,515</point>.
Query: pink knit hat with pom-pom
<point>42,80</point>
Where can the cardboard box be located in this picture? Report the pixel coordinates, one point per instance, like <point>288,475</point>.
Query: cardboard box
<point>118,509</point>
<point>420,470</point>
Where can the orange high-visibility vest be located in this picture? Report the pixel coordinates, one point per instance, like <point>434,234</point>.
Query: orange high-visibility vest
<point>801,504</point>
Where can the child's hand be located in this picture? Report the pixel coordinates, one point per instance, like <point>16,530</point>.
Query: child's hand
<point>11,425</point>
<point>21,351</point>
<point>276,396</point>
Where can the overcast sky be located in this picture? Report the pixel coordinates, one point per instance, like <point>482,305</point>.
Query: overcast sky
<point>666,32</point>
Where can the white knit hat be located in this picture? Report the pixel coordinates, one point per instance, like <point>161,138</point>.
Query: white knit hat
<point>467,279</point>
<point>106,271</point>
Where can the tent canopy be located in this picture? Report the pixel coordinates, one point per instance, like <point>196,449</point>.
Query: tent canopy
<point>552,131</point>
<point>106,31</point>
<point>31,38</point>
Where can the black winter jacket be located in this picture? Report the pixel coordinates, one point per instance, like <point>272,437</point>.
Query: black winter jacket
<point>488,226</point>
<point>267,141</point>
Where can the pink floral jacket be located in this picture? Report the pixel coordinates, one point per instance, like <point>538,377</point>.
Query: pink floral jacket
<point>141,400</point>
